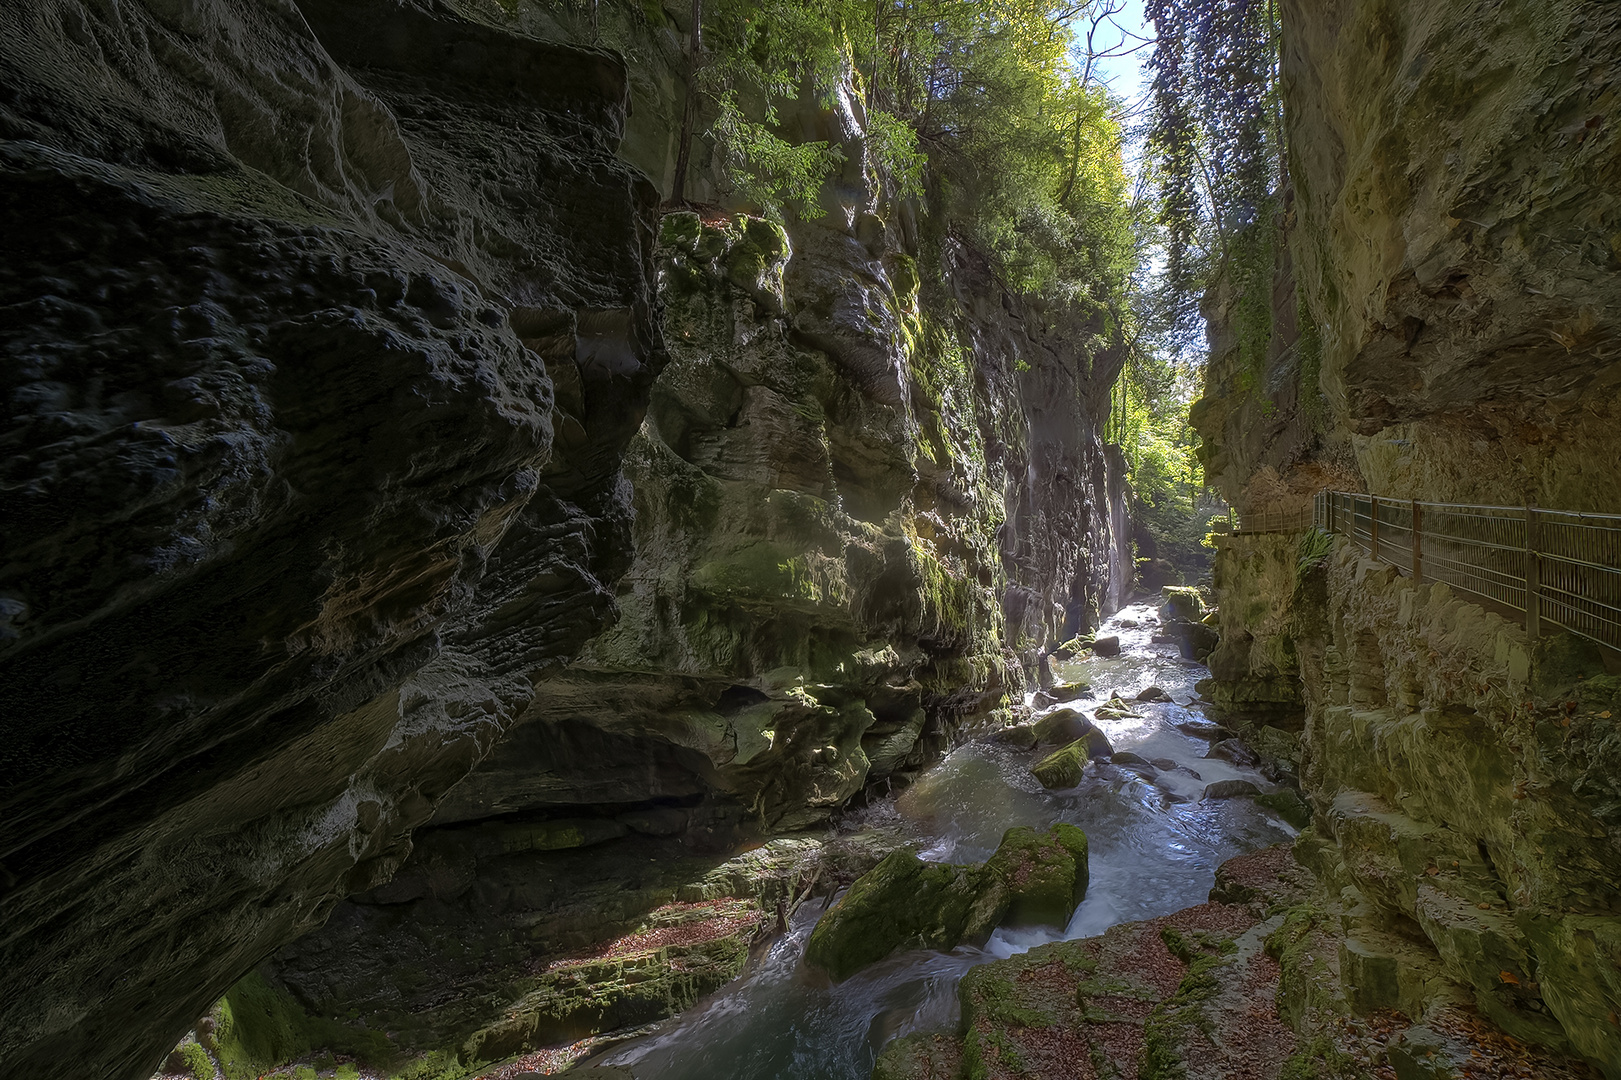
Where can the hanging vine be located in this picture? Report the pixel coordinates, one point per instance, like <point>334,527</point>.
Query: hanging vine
<point>1215,135</point>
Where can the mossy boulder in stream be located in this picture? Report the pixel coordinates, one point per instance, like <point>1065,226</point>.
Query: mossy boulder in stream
<point>1182,602</point>
<point>1032,879</point>
<point>1045,874</point>
<point>1061,726</point>
<point>1064,768</point>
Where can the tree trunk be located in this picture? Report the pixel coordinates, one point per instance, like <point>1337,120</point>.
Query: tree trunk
<point>689,111</point>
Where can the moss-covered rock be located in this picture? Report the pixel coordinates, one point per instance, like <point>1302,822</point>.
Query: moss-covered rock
<point>1032,879</point>
<point>1061,726</point>
<point>903,903</point>
<point>1182,602</point>
<point>1062,768</point>
<point>1045,874</point>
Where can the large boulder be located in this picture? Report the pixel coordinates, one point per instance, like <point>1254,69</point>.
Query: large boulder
<point>1045,874</point>
<point>1181,602</point>
<point>907,903</point>
<point>1061,726</point>
<point>902,903</point>
<point>1064,768</point>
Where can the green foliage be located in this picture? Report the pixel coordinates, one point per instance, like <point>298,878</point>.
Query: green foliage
<point>767,170</point>
<point>1215,135</point>
<point>197,1061</point>
<point>976,106</point>
<point>1315,544</point>
<point>1149,422</point>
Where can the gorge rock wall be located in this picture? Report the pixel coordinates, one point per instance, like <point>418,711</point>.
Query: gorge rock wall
<point>327,329</point>
<point>333,332</point>
<point>1451,250</point>
<point>865,504</point>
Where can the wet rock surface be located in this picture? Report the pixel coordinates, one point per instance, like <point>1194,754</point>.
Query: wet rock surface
<point>1032,879</point>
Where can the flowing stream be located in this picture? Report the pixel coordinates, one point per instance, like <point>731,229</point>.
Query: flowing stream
<point>1154,845</point>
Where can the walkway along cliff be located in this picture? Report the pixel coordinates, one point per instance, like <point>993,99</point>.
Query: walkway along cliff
<point>1446,334</point>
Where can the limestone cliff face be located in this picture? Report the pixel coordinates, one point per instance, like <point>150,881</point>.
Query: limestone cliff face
<point>1456,181</point>
<point>326,330</point>
<point>847,533</point>
<point>1452,247</point>
<point>864,505</point>
<point>332,331</point>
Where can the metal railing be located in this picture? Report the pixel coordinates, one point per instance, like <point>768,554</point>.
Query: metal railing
<point>1553,567</point>
<point>1242,522</point>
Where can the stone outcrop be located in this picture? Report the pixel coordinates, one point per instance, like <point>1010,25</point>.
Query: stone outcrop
<point>327,328</point>
<point>1448,331</point>
<point>1456,198</point>
<point>858,508</point>
<point>1464,796</point>
<point>1032,879</point>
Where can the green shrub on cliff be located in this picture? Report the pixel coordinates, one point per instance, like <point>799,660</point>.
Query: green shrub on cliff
<point>984,109</point>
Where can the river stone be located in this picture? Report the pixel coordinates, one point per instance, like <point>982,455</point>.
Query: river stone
<point>902,903</point>
<point>1069,691</point>
<point>907,903</point>
<point>1182,602</point>
<point>1115,708</point>
<point>1126,757</point>
<point>1097,744</point>
<point>1234,751</point>
<point>1021,736</point>
<point>1064,768</point>
<point>1230,789</point>
<point>1045,874</point>
<point>1199,727</point>
<point>1106,646</point>
<point>1154,694</point>
<point>1061,726</point>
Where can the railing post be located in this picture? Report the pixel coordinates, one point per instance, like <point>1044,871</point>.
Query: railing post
<point>1533,574</point>
<point>1418,557</point>
<point>1373,527</point>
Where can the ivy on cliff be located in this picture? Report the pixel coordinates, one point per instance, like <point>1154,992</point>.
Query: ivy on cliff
<point>1216,142</point>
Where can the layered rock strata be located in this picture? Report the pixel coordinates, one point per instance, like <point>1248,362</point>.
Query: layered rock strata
<point>327,329</point>
<point>1456,287</point>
